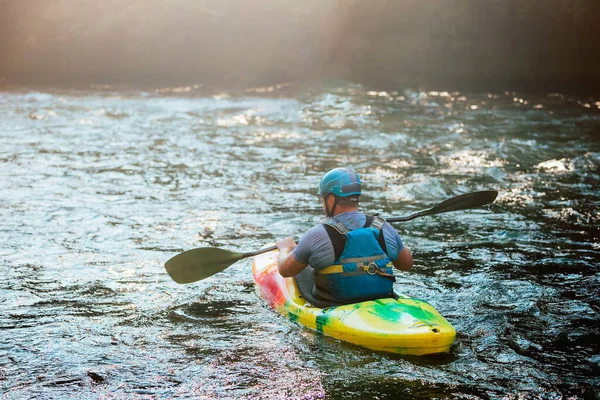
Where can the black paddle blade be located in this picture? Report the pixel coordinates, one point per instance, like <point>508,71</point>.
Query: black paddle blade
<point>463,202</point>
<point>197,264</point>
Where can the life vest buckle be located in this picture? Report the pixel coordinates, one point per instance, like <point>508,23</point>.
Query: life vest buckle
<point>372,269</point>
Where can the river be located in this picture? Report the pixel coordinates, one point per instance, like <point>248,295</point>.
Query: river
<point>100,186</point>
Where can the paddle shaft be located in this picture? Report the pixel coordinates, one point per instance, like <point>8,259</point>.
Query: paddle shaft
<point>407,218</point>
<point>461,202</point>
<point>257,252</point>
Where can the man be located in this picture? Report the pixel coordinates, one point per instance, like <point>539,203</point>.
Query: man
<point>352,254</point>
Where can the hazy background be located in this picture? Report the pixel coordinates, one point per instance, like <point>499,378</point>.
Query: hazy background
<point>109,167</point>
<point>463,44</point>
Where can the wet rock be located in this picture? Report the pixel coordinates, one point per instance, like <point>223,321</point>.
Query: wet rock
<point>97,378</point>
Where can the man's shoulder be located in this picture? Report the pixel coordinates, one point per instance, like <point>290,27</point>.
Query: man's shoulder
<point>312,242</point>
<point>315,232</point>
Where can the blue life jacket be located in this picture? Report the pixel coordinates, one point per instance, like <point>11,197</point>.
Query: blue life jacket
<point>362,269</point>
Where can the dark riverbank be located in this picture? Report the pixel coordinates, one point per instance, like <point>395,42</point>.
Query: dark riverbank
<point>459,44</point>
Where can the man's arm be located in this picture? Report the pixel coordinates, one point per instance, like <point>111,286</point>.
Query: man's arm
<point>403,261</point>
<point>286,262</point>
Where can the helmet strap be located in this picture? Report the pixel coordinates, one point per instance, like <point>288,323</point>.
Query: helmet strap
<point>327,212</point>
<point>335,203</point>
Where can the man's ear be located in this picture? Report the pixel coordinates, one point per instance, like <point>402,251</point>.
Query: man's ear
<point>330,200</point>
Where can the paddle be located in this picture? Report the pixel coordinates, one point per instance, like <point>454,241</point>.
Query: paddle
<point>197,264</point>
<point>462,202</point>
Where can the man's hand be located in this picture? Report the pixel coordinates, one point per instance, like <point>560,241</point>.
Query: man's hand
<point>286,244</point>
<point>286,262</point>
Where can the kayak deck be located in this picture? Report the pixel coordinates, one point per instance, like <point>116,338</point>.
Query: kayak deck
<point>402,326</point>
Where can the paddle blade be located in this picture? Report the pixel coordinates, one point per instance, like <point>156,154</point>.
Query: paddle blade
<point>197,264</point>
<point>463,202</point>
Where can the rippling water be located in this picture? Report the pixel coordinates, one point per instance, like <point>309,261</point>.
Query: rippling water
<point>100,187</point>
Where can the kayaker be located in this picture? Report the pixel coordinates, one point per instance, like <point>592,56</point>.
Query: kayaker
<point>352,254</point>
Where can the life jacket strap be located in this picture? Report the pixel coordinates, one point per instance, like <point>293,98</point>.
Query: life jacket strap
<point>340,227</point>
<point>366,268</point>
<point>370,269</point>
<point>391,277</point>
<point>364,260</point>
<point>377,222</point>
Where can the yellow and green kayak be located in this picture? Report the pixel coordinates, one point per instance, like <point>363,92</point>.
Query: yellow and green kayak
<point>402,326</point>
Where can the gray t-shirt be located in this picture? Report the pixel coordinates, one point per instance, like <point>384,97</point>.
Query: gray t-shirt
<point>315,247</point>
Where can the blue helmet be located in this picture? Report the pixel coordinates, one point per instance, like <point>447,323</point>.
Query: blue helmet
<point>341,182</point>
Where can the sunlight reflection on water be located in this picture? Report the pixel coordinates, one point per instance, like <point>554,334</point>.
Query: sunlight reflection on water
<point>91,210</point>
